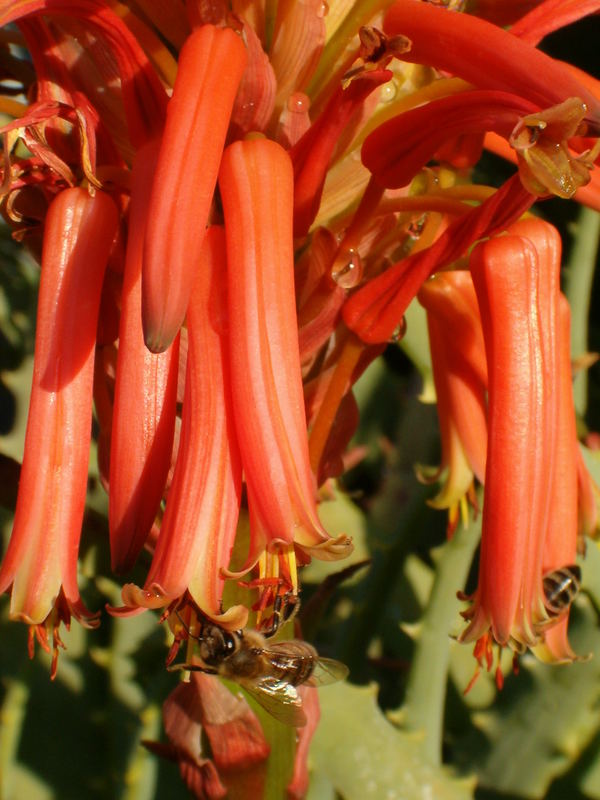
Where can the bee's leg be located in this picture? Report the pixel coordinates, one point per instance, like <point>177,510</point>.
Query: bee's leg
<point>275,619</point>
<point>285,608</point>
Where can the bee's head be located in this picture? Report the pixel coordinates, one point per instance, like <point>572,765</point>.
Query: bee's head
<point>217,644</point>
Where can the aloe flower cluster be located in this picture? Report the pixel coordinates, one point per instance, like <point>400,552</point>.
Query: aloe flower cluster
<point>233,205</point>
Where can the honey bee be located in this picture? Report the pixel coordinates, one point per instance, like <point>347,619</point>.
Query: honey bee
<point>561,586</point>
<point>269,671</point>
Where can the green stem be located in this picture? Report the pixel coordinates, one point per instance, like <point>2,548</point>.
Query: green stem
<point>12,718</point>
<point>426,689</point>
<point>396,522</point>
<point>579,276</point>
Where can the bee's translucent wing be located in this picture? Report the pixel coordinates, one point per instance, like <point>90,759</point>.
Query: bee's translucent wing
<point>303,661</point>
<point>279,698</point>
<point>327,670</point>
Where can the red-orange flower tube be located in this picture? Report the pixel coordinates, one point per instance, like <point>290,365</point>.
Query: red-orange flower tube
<point>484,54</point>
<point>199,525</point>
<point>211,64</point>
<point>41,560</point>
<point>560,545</point>
<point>145,396</point>
<point>549,16</point>
<point>460,376</point>
<point>400,147</point>
<point>517,292</point>
<point>256,183</point>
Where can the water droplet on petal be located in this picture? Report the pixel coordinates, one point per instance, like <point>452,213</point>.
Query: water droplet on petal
<point>347,270</point>
<point>298,103</point>
<point>388,92</point>
<point>398,332</point>
<point>322,9</point>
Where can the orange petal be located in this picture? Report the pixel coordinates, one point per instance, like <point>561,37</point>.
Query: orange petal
<point>42,553</point>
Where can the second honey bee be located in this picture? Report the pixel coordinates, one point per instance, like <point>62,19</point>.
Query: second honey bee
<point>561,586</point>
<point>269,671</point>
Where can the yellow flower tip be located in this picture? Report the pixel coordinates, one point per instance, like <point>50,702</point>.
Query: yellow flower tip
<point>554,647</point>
<point>154,597</point>
<point>330,549</point>
<point>233,619</point>
<point>545,163</point>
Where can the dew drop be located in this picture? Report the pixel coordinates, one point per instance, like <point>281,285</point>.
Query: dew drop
<point>322,9</point>
<point>398,332</point>
<point>388,92</point>
<point>348,269</point>
<point>298,103</point>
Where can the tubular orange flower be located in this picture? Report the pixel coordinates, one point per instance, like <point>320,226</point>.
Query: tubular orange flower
<point>198,528</point>
<point>256,185</point>
<point>550,15</point>
<point>211,64</point>
<point>460,375</point>
<point>560,546</point>
<point>399,148</point>
<point>145,396</point>
<point>518,296</point>
<point>485,55</point>
<point>41,560</point>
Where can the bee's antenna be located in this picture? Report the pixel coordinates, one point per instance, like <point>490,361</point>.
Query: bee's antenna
<point>186,627</point>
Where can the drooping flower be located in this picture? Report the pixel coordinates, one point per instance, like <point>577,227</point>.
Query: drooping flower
<point>211,64</point>
<point>256,184</point>
<point>199,525</point>
<point>485,55</point>
<point>460,376</point>
<point>516,281</point>
<point>143,419</point>
<point>41,561</point>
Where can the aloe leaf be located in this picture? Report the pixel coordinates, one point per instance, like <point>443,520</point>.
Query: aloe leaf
<point>379,761</point>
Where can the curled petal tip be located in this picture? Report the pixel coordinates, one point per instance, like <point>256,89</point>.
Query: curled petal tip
<point>153,597</point>
<point>331,549</point>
